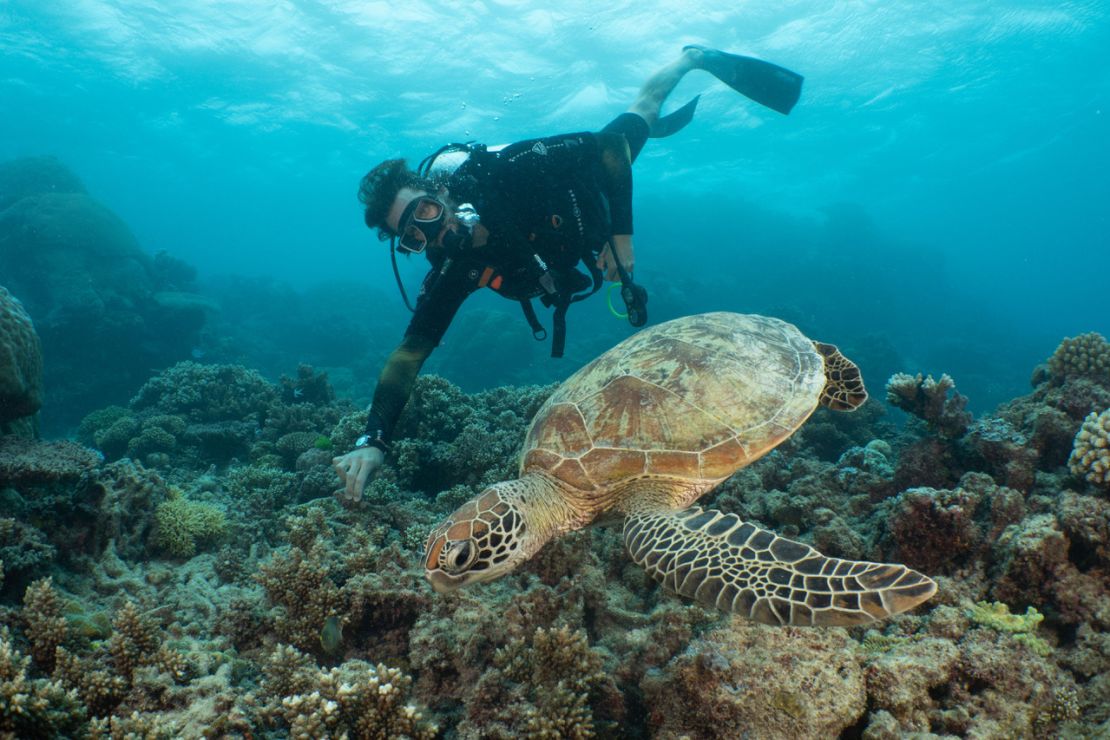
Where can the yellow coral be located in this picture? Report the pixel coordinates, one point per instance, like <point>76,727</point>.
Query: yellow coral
<point>1084,356</point>
<point>180,525</point>
<point>997,616</point>
<point>1090,454</point>
<point>1023,627</point>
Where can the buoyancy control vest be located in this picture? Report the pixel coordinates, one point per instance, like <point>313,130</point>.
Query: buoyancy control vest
<point>546,211</point>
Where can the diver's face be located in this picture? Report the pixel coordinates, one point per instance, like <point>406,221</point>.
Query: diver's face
<point>422,213</point>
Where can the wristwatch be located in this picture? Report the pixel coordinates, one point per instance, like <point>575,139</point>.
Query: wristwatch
<point>367,441</point>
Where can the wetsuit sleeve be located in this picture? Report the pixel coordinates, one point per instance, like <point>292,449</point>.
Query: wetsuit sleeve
<point>616,180</point>
<point>440,299</point>
<point>395,386</point>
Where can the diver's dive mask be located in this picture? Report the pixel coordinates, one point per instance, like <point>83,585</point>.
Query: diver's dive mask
<point>420,223</point>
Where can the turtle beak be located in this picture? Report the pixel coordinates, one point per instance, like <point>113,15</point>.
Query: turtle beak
<point>443,583</point>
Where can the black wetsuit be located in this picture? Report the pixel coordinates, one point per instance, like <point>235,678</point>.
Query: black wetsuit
<point>560,198</point>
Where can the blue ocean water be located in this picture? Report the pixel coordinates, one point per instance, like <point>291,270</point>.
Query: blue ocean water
<point>937,201</point>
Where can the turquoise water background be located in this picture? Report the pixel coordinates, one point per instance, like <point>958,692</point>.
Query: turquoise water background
<point>940,192</point>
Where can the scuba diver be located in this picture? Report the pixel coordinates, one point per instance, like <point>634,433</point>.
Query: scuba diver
<point>519,219</point>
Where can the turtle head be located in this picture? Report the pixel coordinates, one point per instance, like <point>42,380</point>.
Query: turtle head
<point>484,539</point>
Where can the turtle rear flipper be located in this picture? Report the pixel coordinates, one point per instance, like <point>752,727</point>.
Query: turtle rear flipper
<point>723,562</point>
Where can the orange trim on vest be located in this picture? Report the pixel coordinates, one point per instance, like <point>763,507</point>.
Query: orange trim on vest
<point>486,275</point>
<point>496,284</point>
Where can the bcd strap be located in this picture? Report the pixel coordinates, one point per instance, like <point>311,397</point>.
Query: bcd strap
<point>561,302</point>
<point>538,332</point>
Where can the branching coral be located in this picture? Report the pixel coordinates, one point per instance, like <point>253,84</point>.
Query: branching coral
<point>354,700</point>
<point>550,685</point>
<point>299,582</point>
<point>1084,356</point>
<point>1090,455</point>
<point>34,708</point>
<point>928,400</point>
<point>180,525</point>
<point>46,627</point>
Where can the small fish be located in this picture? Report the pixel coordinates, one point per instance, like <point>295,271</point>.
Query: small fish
<point>331,636</point>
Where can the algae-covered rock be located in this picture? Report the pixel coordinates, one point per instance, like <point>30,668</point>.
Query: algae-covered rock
<point>745,680</point>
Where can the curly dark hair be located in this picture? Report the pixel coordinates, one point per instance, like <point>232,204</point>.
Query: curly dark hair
<point>379,187</point>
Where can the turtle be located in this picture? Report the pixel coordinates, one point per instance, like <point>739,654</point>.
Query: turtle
<point>647,428</point>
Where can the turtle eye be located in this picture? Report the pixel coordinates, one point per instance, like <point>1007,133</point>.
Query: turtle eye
<point>458,556</point>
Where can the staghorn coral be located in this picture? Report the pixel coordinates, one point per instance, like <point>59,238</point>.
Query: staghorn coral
<point>549,685</point>
<point>1085,356</point>
<point>928,400</point>
<point>299,582</point>
<point>20,363</point>
<point>354,700</point>
<point>1090,455</point>
<point>34,707</point>
<point>46,627</point>
<point>98,688</point>
<point>134,641</point>
<point>181,525</point>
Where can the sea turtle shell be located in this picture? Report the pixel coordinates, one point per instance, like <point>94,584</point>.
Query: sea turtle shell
<point>689,402</point>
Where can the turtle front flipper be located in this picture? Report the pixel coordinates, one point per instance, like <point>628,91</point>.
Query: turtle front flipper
<point>844,389</point>
<point>723,562</point>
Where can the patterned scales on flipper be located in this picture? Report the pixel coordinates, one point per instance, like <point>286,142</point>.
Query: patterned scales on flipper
<point>726,563</point>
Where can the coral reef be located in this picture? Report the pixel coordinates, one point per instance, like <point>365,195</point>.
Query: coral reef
<point>1090,455</point>
<point>311,618</point>
<point>20,364</point>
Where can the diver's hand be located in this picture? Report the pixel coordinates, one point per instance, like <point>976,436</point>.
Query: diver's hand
<point>608,265</point>
<point>355,468</point>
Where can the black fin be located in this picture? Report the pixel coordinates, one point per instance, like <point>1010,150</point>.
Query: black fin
<point>767,84</point>
<point>674,122</point>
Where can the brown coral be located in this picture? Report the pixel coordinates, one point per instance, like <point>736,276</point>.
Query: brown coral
<point>46,627</point>
<point>354,700</point>
<point>928,400</point>
<point>1090,455</point>
<point>34,708</point>
<point>20,362</point>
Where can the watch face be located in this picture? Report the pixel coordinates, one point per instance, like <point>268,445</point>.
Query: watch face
<point>362,441</point>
